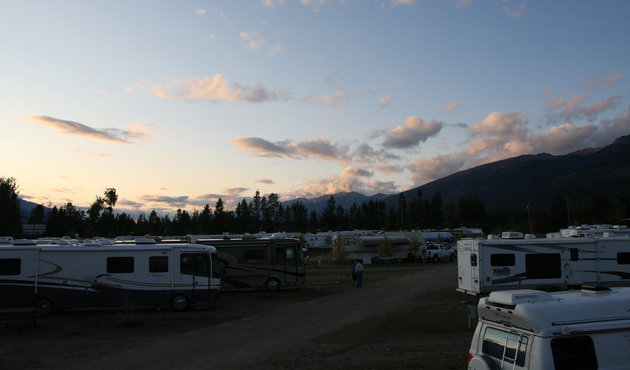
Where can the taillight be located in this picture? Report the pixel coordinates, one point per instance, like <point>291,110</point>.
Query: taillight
<point>470,356</point>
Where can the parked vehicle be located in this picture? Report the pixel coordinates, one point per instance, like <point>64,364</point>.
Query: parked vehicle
<point>56,277</point>
<point>438,252</point>
<point>486,265</point>
<point>532,329</point>
<point>251,263</point>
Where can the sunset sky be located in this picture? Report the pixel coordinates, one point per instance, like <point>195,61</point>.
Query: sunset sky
<point>177,103</point>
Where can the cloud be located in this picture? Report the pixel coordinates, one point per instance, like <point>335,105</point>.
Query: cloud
<point>93,153</point>
<point>129,203</point>
<point>337,100</point>
<point>602,82</point>
<point>114,135</point>
<point>215,89</point>
<point>395,3</point>
<point>413,131</point>
<point>513,12</point>
<point>272,3</point>
<point>200,11</point>
<point>274,50</point>
<point>463,4</point>
<point>265,181</point>
<point>253,41</point>
<point>366,154</point>
<point>234,191</point>
<point>436,166</point>
<point>351,179</point>
<point>384,101</point>
<point>451,107</point>
<point>574,108</point>
<point>319,148</point>
<point>179,202</point>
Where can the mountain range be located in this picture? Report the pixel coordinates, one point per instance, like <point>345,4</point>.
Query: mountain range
<point>533,180</point>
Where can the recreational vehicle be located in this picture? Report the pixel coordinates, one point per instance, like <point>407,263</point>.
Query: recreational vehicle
<point>532,329</point>
<point>250,263</point>
<point>486,265</point>
<point>51,277</point>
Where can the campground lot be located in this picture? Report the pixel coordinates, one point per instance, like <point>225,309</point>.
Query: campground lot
<point>407,316</point>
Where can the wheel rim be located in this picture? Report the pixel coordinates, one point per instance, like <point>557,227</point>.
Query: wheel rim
<point>44,307</point>
<point>272,285</point>
<point>180,302</point>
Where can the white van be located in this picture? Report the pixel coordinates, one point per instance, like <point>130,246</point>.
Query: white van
<point>532,329</point>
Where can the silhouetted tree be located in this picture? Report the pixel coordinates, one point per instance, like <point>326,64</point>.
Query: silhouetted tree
<point>10,215</point>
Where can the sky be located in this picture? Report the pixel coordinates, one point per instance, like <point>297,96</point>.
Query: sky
<point>177,103</point>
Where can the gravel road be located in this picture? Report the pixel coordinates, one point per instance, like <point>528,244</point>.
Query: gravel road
<point>247,342</point>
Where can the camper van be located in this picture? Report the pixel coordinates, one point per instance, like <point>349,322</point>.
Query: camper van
<point>486,265</point>
<point>533,329</point>
<point>252,263</point>
<point>58,277</point>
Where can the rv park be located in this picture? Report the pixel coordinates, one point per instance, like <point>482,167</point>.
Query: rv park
<point>407,316</point>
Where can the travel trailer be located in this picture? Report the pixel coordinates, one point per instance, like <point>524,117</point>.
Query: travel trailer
<point>532,329</point>
<point>57,277</point>
<point>486,265</point>
<point>251,263</point>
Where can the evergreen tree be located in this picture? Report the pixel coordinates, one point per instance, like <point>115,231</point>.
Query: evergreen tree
<point>10,215</point>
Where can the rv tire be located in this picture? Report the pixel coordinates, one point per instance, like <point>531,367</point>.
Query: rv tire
<point>272,285</point>
<point>44,307</point>
<point>179,302</point>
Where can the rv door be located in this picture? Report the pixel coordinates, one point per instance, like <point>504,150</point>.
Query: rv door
<point>287,258</point>
<point>194,276</point>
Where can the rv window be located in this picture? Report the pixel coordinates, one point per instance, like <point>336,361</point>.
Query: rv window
<point>10,266</point>
<point>573,353</point>
<point>623,258</point>
<point>574,254</point>
<point>158,264</point>
<point>194,264</point>
<point>290,254</point>
<point>250,255</point>
<point>280,253</point>
<point>500,259</point>
<point>473,260</point>
<point>543,266</point>
<point>119,265</point>
<point>494,345</point>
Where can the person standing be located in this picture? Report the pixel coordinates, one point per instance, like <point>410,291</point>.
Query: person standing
<point>353,272</point>
<point>358,269</point>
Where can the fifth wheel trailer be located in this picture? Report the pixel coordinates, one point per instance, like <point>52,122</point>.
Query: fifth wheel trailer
<point>486,265</point>
<point>51,277</point>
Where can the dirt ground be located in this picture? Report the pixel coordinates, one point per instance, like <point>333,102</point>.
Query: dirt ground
<point>405,317</point>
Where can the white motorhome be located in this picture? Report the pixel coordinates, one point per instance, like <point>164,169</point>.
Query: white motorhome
<point>486,265</point>
<point>532,329</point>
<point>50,277</point>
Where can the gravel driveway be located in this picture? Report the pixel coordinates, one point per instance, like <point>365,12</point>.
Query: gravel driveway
<point>247,342</point>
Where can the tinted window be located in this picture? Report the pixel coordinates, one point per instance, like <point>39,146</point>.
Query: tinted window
<point>573,353</point>
<point>197,264</point>
<point>10,266</point>
<point>253,254</point>
<point>158,264</point>
<point>623,258</point>
<point>119,265</point>
<point>497,342</point>
<point>543,266</point>
<point>502,259</point>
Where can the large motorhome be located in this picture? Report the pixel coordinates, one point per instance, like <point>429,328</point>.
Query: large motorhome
<point>486,265</point>
<point>50,277</point>
<point>251,263</point>
<point>366,247</point>
<point>532,329</point>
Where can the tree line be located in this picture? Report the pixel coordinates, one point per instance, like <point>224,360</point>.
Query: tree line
<point>267,213</point>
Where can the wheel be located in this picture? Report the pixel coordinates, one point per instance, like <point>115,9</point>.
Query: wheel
<point>179,302</point>
<point>44,307</point>
<point>482,362</point>
<point>435,259</point>
<point>272,285</point>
